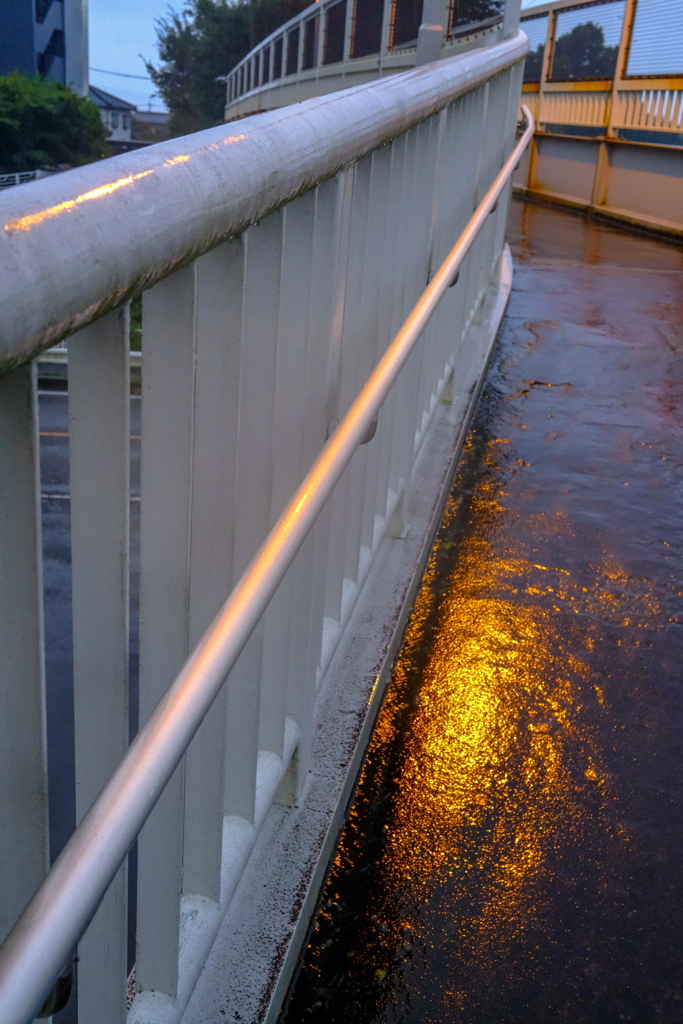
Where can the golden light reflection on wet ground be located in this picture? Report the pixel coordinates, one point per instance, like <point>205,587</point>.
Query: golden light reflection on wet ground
<point>513,851</point>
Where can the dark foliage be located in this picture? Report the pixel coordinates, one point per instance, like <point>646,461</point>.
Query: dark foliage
<point>45,125</point>
<point>582,54</point>
<point>470,12</point>
<point>534,64</point>
<point>201,45</point>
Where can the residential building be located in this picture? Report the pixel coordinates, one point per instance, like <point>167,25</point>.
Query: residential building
<point>115,113</point>
<point>46,37</point>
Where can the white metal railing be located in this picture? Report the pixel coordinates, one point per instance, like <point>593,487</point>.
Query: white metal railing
<point>21,177</point>
<point>279,261</point>
<point>335,44</point>
<point>650,109</point>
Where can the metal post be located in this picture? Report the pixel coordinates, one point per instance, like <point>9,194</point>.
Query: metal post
<point>24,843</point>
<point>99,451</point>
<point>168,326</point>
<point>433,31</point>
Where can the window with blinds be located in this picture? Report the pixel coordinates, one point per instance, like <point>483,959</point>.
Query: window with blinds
<point>537,30</point>
<point>657,40</point>
<point>587,42</point>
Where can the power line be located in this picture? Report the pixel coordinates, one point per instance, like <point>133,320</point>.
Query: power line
<point>121,74</point>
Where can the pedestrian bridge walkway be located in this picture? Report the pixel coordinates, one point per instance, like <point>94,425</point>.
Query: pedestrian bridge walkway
<point>322,288</point>
<point>512,852</point>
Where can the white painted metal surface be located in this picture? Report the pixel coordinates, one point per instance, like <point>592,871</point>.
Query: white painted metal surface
<point>99,460</point>
<point>24,845</point>
<point>285,295</point>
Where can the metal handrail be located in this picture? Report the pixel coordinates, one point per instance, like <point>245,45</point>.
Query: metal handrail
<point>44,936</point>
<point>195,192</point>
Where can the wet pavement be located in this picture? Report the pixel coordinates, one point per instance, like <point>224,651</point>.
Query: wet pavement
<point>513,853</point>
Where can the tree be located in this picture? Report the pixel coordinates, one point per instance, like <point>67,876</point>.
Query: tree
<point>43,124</point>
<point>469,12</point>
<point>200,45</point>
<point>582,54</point>
<point>534,64</point>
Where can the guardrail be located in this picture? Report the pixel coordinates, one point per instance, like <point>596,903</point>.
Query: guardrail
<point>336,44</point>
<point>605,83</point>
<point>279,261</point>
<point>21,177</point>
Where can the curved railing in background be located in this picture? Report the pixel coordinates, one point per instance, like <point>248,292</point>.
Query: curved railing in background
<point>335,44</point>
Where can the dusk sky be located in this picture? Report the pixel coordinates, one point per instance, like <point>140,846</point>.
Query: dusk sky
<point>119,31</point>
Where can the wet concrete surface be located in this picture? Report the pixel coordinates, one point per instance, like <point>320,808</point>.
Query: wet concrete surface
<point>513,852</point>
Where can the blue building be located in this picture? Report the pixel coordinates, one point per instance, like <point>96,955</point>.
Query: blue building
<point>46,37</point>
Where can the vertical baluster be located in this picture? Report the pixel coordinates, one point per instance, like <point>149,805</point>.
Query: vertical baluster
<point>480,277</point>
<point>253,492</point>
<point>452,306</point>
<point>443,238</point>
<point>391,261</point>
<point>289,422</point>
<point>508,115</point>
<point>398,160</point>
<point>402,450</point>
<point>438,215</point>
<point>470,134</point>
<point>500,149</point>
<point>480,109</point>
<point>415,213</point>
<point>484,176</point>
<point>446,233</point>
<point>99,451</point>
<point>353,357</point>
<point>376,254</point>
<point>419,213</point>
<point>24,846</point>
<point>216,406</point>
<point>168,326</point>
<point>430,160</point>
<point>336,551</point>
<point>489,169</point>
<point>320,400</point>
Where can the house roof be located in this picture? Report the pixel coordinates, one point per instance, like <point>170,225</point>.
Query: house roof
<point>151,116</point>
<point>107,101</point>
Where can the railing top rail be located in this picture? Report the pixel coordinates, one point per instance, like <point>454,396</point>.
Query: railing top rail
<point>53,922</point>
<point>76,245</point>
<point>312,9</point>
